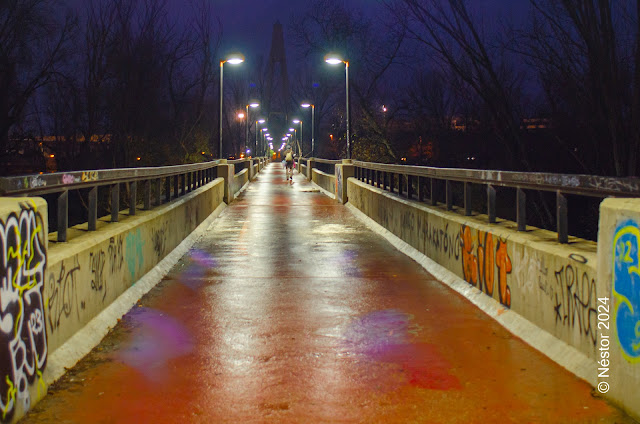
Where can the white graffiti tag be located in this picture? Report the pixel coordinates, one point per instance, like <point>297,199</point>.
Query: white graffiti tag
<point>23,340</point>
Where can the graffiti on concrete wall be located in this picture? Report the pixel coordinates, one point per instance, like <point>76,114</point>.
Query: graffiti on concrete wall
<point>134,252</point>
<point>115,253</point>
<point>62,289</point>
<point>485,262</point>
<point>575,300</point>
<point>626,289</point>
<point>98,279</point>
<point>442,240</point>
<point>159,240</point>
<point>23,343</point>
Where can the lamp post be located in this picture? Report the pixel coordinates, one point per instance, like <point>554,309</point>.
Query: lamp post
<point>333,59</point>
<point>233,59</point>
<point>298,121</point>
<point>313,113</point>
<point>253,104</point>
<point>259,121</point>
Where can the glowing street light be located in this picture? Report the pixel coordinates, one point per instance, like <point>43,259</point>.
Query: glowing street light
<point>253,104</point>
<point>233,59</point>
<point>313,113</point>
<point>334,59</point>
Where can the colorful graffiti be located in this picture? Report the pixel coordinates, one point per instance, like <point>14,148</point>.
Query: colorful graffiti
<point>23,337</point>
<point>481,263</point>
<point>626,289</point>
<point>135,253</point>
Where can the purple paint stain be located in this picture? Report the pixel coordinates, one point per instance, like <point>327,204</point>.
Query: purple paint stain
<point>383,336</point>
<point>157,338</point>
<point>195,275</point>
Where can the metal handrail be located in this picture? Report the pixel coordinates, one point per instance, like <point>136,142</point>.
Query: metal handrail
<point>384,175</point>
<point>178,181</point>
<point>585,185</point>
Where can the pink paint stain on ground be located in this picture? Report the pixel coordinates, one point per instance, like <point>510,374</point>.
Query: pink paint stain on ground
<point>157,339</point>
<point>384,336</point>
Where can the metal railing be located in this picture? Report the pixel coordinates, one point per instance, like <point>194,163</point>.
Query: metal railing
<point>413,180</point>
<point>326,165</point>
<point>177,181</point>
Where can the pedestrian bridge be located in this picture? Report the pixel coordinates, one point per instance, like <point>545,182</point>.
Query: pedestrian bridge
<point>360,292</point>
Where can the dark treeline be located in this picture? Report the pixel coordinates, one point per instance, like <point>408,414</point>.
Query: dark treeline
<point>437,82</point>
<point>462,87</point>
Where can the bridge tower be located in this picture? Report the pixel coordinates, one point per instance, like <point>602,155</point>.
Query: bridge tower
<point>277,103</point>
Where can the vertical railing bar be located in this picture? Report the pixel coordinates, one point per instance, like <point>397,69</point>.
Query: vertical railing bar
<point>115,202</point>
<point>167,189</point>
<point>420,189</point>
<point>184,183</point>
<point>63,215</point>
<point>449,195</point>
<point>409,187</point>
<point>491,204</point>
<point>92,221</point>
<point>562,208</point>
<point>158,186</point>
<point>521,209</point>
<point>392,182</point>
<point>467,199</point>
<point>147,195</point>
<point>176,187</point>
<point>133,195</point>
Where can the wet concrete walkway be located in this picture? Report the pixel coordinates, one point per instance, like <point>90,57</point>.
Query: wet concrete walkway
<point>291,310</point>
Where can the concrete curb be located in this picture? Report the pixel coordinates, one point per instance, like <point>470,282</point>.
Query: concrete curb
<point>323,191</point>
<point>81,343</point>
<point>558,351</point>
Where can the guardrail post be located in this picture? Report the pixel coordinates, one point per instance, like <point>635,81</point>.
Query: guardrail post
<point>115,202</point>
<point>449,195</point>
<point>409,187</point>
<point>491,204</point>
<point>420,190</point>
<point>176,187</point>
<point>310,166</point>
<point>343,172</point>
<point>432,193</point>
<point>158,185</point>
<point>226,171</point>
<point>133,195</point>
<point>561,217</point>
<point>147,195</point>
<point>63,215</point>
<point>521,209</point>
<point>467,199</point>
<point>92,219</point>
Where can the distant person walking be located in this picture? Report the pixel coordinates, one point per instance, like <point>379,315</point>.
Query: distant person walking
<point>288,162</point>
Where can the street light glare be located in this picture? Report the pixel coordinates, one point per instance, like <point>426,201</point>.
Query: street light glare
<point>254,104</point>
<point>261,121</point>
<point>235,59</point>
<point>296,121</point>
<point>240,115</point>
<point>305,105</point>
<point>332,59</point>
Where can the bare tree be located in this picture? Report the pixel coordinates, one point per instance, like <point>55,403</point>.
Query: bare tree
<point>587,54</point>
<point>33,43</point>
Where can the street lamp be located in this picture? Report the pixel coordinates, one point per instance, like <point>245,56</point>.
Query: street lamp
<point>333,59</point>
<point>253,104</point>
<point>298,121</point>
<point>313,113</point>
<point>259,121</point>
<point>233,59</point>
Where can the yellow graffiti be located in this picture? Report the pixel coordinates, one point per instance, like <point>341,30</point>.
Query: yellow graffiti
<point>89,176</point>
<point>11,397</point>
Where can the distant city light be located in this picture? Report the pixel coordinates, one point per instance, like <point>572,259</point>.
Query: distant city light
<point>240,115</point>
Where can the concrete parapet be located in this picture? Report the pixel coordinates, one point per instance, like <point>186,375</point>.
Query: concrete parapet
<point>618,314</point>
<point>557,287</point>
<point>24,345</point>
<point>324,180</point>
<point>226,171</point>
<point>310,165</point>
<point>343,172</point>
<point>239,181</point>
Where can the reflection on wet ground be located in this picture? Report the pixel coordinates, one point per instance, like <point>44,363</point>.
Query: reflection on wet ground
<point>290,310</point>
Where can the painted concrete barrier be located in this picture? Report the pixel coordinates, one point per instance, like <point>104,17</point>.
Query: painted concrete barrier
<point>24,346</point>
<point>618,320</point>
<point>324,180</point>
<point>50,291</point>
<point>239,180</point>
<point>569,291</point>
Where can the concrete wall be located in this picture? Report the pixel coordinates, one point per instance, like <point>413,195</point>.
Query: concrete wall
<point>239,180</point>
<point>89,272</point>
<point>324,180</point>
<point>24,347</point>
<point>619,318</point>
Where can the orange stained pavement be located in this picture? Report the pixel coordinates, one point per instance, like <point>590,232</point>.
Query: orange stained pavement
<point>289,310</point>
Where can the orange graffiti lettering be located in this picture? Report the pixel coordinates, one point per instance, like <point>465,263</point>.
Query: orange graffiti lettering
<point>504,267</point>
<point>469,261</point>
